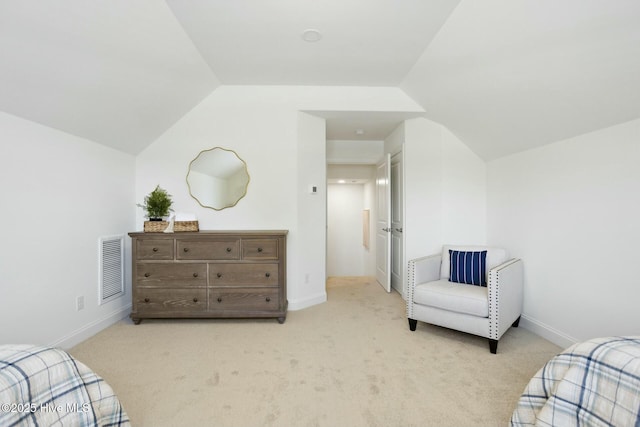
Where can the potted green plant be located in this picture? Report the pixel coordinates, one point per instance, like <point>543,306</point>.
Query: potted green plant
<point>157,204</point>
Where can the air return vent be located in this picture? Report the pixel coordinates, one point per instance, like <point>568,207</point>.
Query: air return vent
<point>111,268</point>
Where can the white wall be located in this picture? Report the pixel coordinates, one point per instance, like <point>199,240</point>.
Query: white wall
<point>285,152</point>
<point>346,255</point>
<point>571,211</point>
<point>354,152</point>
<point>310,277</point>
<point>445,188</point>
<point>423,187</point>
<point>60,193</point>
<point>464,193</point>
<point>360,259</point>
<point>351,171</point>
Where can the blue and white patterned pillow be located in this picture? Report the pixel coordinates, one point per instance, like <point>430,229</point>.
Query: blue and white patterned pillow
<point>468,267</point>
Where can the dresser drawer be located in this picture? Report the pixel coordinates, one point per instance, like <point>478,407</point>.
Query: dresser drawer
<point>154,249</point>
<point>222,249</point>
<point>260,249</point>
<point>153,301</point>
<point>171,274</point>
<point>258,299</point>
<point>243,274</point>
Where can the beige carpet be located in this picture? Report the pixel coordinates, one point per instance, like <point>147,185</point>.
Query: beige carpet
<point>349,362</point>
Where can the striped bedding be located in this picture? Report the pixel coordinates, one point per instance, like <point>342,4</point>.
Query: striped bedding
<point>593,383</point>
<point>43,386</point>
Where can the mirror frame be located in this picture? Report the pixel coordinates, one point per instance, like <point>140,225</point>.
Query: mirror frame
<point>246,170</point>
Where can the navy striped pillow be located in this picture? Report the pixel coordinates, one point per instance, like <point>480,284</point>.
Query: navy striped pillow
<point>468,267</point>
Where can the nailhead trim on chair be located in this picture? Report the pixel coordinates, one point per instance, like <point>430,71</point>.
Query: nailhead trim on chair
<point>493,303</point>
<point>494,298</point>
<point>412,281</point>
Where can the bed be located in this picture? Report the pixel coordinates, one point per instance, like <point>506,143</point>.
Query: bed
<point>593,383</point>
<point>44,386</point>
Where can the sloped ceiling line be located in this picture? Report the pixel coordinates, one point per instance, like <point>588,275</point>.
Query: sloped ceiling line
<point>502,75</point>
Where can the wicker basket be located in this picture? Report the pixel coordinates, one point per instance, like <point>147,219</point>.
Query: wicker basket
<point>178,226</point>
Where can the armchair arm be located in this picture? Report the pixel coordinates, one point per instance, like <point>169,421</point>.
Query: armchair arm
<point>505,289</point>
<point>425,269</point>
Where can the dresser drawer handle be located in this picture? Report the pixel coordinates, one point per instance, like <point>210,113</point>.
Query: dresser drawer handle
<point>228,249</point>
<point>147,274</point>
<point>219,275</point>
<point>155,249</point>
<point>268,299</point>
<point>186,249</point>
<point>195,300</point>
<point>259,249</point>
<point>268,274</point>
<point>147,300</point>
<point>219,299</point>
<point>195,274</point>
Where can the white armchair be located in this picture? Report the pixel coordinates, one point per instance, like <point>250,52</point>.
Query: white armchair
<point>486,310</point>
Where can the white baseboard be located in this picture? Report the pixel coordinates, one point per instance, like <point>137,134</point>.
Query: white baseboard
<point>307,302</point>
<point>547,332</point>
<point>90,329</point>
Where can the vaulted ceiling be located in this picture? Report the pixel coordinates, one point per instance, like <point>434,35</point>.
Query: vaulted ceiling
<point>503,75</point>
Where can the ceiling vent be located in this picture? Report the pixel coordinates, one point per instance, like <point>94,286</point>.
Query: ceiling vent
<point>111,268</point>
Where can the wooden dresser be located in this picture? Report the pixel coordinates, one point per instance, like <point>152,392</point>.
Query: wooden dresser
<point>216,274</point>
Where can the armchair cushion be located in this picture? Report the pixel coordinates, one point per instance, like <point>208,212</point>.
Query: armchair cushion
<point>449,296</point>
<point>468,267</point>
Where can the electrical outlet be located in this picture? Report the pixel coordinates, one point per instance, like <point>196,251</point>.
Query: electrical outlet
<point>79,303</point>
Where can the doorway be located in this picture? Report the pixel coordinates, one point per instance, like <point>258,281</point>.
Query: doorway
<point>346,255</point>
<point>350,199</point>
<point>363,138</point>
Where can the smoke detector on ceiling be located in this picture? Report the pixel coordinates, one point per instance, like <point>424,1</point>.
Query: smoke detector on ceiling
<point>311,35</point>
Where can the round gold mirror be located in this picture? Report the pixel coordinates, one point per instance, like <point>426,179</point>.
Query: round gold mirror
<point>217,178</point>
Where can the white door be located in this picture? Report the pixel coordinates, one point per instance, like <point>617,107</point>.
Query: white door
<point>397,258</point>
<point>383,224</point>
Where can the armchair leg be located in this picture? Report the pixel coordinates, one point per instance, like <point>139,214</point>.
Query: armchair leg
<point>516,323</point>
<point>412,324</point>
<point>493,346</point>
